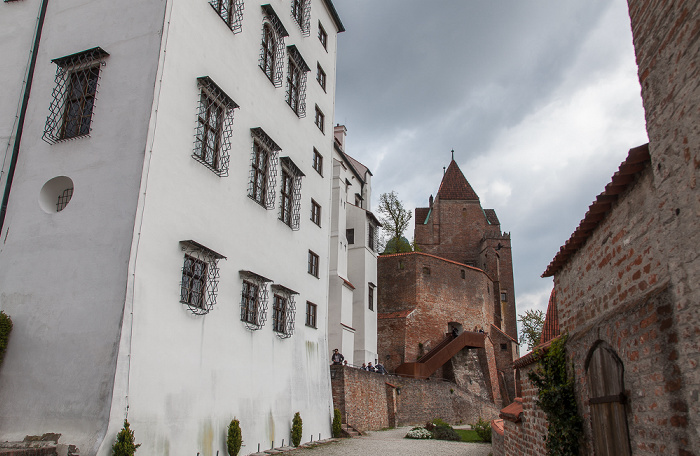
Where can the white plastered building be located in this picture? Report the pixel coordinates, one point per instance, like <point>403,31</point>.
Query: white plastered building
<point>164,249</point>
<point>352,315</point>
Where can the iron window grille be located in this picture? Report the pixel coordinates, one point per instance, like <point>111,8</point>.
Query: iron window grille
<point>322,36</point>
<point>371,236</point>
<point>313,264</point>
<point>315,212</point>
<point>296,81</point>
<point>73,98</point>
<point>64,198</point>
<point>320,119</point>
<point>301,12</point>
<point>214,127</point>
<point>200,277</point>
<point>272,46</point>
<point>321,76</point>
<point>231,11</point>
<point>263,169</point>
<point>283,311</point>
<point>318,162</point>
<point>311,314</point>
<point>254,298</point>
<point>290,198</point>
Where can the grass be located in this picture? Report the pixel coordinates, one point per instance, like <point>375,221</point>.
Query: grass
<point>468,435</point>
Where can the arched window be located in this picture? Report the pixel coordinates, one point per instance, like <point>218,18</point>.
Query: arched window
<point>606,389</point>
<point>269,48</point>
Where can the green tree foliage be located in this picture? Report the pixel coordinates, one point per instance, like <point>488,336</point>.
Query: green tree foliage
<point>337,423</point>
<point>296,429</point>
<point>557,399</point>
<point>234,439</point>
<point>125,446</point>
<point>531,324</point>
<point>5,329</point>
<point>395,219</point>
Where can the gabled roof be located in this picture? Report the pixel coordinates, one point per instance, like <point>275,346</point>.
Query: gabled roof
<point>491,217</point>
<point>550,329</point>
<point>637,160</point>
<point>454,185</point>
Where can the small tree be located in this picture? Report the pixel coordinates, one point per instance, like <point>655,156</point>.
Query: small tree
<point>125,446</point>
<point>296,429</point>
<point>5,329</point>
<point>557,399</point>
<point>337,423</point>
<point>531,323</point>
<point>234,438</point>
<point>395,219</point>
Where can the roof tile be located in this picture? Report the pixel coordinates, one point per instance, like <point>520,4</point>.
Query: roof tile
<point>454,185</point>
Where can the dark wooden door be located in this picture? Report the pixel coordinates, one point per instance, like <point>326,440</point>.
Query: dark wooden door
<point>607,400</point>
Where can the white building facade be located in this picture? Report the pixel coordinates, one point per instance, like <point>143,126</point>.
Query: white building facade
<point>352,320</point>
<point>166,220</point>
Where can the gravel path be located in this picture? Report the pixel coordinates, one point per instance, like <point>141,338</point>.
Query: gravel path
<point>392,442</point>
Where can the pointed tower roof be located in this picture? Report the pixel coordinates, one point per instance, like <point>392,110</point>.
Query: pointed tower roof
<point>454,185</point>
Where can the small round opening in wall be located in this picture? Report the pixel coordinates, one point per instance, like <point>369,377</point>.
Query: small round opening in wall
<point>56,194</point>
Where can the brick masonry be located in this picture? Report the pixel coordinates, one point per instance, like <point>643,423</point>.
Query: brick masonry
<point>635,282</point>
<point>371,401</point>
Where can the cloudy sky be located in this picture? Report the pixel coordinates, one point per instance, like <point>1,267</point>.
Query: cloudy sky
<point>538,98</point>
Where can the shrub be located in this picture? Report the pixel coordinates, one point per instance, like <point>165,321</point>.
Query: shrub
<point>234,438</point>
<point>445,433</point>
<point>439,422</point>
<point>419,433</point>
<point>5,329</point>
<point>296,429</point>
<point>337,423</point>
<point>483,430</point>
<point>125,446</point>
<point>429,426</point>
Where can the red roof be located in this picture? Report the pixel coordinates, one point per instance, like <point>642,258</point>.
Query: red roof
<point>502,332</point>
<point>514,411</point>
<point>637,159</point>
<point>497,425</point>
<point>454,185</point>
<point>550,329</point>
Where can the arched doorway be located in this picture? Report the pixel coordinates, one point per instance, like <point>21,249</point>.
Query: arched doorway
<point>607,399</point>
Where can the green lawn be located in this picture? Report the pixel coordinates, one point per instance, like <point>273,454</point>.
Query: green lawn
<point>468,435</point>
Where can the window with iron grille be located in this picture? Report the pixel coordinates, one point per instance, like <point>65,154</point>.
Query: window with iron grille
<point>200,277</point>
<point>296,81</point>
<point>283,311</point>
<point>64,198</point>
<point>320,119</point>
<point>71,109</point>
<point>315,212</point>
<point>263,171</point>
<point>321,76</point>
<point>301,10</point>
<point>214,127</point>
<point>231,11</point>
<point>311,313</point>
<point>372,237</point>
<point>322,36</point>
<point>318,162</point>
<point>272,46</point>
<point>313,264</point>
<point>290,196</point>
<point>350,235</point>
<point>253,300</point>
<point>370,296</point>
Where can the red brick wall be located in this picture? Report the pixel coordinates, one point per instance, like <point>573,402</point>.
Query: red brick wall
<point>667,45</point>
<point>361,397</point>
<point>525,437</point>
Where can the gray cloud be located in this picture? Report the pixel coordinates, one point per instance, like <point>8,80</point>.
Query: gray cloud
<point>539,99</point>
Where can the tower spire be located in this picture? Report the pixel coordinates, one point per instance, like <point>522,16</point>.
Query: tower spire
<point>453,154</point>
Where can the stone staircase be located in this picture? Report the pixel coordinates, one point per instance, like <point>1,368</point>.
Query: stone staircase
<point>349,431</point>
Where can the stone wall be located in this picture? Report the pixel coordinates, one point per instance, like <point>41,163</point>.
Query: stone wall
<point>667,46</point>
<point>373,401</point>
